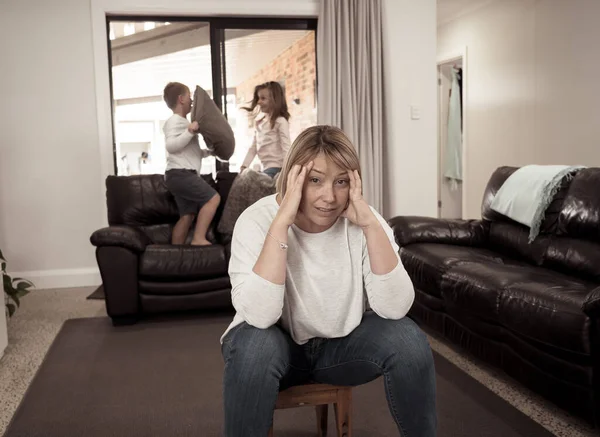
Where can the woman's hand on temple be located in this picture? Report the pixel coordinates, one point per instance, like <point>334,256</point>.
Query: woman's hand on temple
<point>291,201</point>
<point>358,211</point>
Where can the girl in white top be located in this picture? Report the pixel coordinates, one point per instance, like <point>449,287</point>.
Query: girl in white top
<point>271,128</point>
<point>321,295</point>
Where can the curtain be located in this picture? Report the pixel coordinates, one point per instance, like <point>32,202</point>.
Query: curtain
<point>350,82</point>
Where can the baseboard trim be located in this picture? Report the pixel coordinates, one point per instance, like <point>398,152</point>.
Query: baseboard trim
<point>61,278</point>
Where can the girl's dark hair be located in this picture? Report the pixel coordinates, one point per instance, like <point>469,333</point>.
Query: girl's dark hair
<point>279,108</point>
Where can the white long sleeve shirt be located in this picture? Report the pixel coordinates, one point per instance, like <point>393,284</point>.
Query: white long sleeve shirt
<point>328,278</point>
<point>271,144</point>
<point>183,147</point>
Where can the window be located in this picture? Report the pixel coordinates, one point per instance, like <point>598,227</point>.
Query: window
<point>227,57</point>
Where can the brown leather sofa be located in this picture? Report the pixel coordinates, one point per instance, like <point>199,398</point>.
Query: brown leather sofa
<point>532,310</point>
<point>142,273</point>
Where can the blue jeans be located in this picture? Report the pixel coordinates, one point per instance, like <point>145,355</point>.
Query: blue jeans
<point>261,362</point>
<point>272,171</point>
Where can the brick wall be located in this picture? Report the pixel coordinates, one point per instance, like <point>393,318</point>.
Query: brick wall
<point>296,68</point>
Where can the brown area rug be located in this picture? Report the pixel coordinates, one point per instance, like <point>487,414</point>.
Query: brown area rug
<point>163,378</point>
<point>97,294</point>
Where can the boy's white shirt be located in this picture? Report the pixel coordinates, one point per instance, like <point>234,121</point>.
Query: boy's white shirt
<point>183,147</point>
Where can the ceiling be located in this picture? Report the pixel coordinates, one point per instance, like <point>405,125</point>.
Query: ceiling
<point>245,56</point>
<point>448,10</point>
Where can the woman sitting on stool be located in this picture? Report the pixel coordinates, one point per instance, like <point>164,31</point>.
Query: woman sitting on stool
<point>321,295</point>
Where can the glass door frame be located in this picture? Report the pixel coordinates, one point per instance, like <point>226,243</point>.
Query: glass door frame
<point>217,28</point>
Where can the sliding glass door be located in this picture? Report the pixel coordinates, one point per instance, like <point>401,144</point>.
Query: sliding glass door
<point>227,57</point>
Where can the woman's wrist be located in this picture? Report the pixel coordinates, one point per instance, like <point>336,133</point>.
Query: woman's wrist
<point>280,222</point>
<point>371,222</point>
<point>372,228</point>
<point>279,227</point>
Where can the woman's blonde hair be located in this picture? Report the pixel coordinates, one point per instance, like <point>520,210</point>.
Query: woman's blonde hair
<point>328,140</point>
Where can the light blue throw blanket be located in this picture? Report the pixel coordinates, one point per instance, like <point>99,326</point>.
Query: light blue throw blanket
<point>528,192</point>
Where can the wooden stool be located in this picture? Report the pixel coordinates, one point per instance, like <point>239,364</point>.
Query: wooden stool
<point>321,395</point>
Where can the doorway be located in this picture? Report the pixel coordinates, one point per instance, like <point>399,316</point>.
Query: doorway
<point>451,136</point>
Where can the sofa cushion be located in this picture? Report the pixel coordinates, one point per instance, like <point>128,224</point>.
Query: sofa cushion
<point>580,214</point>
<point>512,240</point>
<point>426,263</point>
<point>574,257</point>
<point>535,303</point>
<point>162,262</point>
<point>213,126</point>
<point>158,234</point>
<point>161,234</point>
<point>546,307</point>
<point>247,188</point>
<point>476,287</point>
<point>182,288</point>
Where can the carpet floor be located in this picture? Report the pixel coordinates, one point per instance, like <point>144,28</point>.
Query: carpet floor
<point>98,294</point>
<point>163,377</point>
<point>35,326</point>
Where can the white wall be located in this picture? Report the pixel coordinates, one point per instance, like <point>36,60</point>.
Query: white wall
<point>533,92</point>
<point>49,173</point>
<point>410,176</point>
<point>55,141</point>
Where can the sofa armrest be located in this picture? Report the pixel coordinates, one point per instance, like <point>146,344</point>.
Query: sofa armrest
<point>591,306</point>
<point>414,229</point>
<point>127,237</point>
<point>119,270</point>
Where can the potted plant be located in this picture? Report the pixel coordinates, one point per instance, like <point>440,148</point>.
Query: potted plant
<point>14,289</point>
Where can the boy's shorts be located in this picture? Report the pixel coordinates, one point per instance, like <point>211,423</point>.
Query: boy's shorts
<point>191,192</point>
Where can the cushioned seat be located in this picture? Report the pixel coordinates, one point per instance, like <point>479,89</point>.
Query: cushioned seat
<point>477,287</point>
<point>192,288</point>
<point>166,262</point>
<point>526,299</point>
<point>426,263</point>
<point>546,306</point>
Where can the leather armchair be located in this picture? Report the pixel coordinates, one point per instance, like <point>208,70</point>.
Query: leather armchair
<point>142,273</point>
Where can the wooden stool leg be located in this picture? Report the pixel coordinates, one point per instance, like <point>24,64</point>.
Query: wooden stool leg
<point>343,413</point>
<point>271,432</point>
<point>321,420</point>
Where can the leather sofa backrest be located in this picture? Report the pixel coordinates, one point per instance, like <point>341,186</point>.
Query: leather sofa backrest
<point>575,248</point>
<point>551,218</point>
<point>496,180</point>
<point>139,200</point>
<point>511,238</point>
<point>574,257</point>
<point>144,201</point>
<point>569,239</point>
<point>580,213</point>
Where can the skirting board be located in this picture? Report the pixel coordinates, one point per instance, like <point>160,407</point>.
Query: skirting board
<point>61,278</point>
